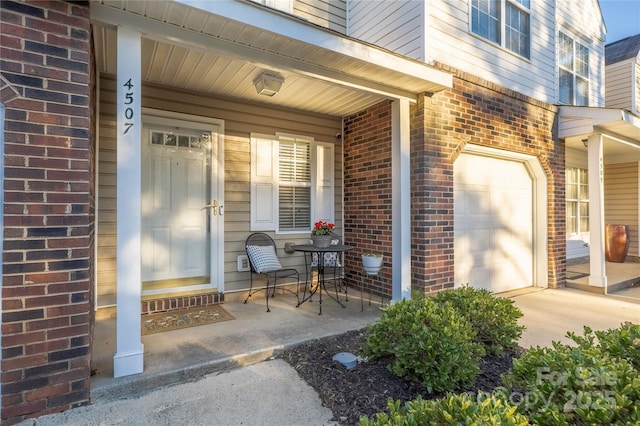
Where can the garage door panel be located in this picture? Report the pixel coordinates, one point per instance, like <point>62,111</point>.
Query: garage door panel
<point>493,223</point>
<point>478,277</point>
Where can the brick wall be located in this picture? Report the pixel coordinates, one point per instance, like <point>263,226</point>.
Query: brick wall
<point>48,224</point>
<point>473,111</point>
<point>367,193</point>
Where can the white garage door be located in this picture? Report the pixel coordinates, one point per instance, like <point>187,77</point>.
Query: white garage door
<point>493,223</point>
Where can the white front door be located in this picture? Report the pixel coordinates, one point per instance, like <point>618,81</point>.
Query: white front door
<point>176,190</point>
<point>493,223</point>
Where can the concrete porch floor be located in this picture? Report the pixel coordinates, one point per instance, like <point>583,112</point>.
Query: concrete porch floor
<point>623,279</point>
<point>253,336</point>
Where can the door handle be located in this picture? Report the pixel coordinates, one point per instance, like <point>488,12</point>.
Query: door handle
<point>213,206</point>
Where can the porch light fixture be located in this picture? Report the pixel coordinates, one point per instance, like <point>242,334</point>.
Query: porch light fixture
<point>268,85</point>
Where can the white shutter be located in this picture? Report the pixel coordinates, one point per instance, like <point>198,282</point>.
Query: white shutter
<point>323,196</point>
<point>264,173</point>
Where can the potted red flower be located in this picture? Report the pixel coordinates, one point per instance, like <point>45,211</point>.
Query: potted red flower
<point>321,233</point>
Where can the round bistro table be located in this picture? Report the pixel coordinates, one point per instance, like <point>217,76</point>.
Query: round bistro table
<point>308,251</point>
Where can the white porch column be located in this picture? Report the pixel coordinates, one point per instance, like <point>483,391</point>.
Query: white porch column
<point>129,349</point>
<point>401,200</point>
<point>597,277</point>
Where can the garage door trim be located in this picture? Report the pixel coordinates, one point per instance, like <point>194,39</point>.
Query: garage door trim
<point>540,206</point>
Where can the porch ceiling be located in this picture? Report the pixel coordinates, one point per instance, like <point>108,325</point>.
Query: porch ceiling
<point>620,129</point>
<point>211,52</point>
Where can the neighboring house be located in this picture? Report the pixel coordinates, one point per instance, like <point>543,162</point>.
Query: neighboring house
<point>622,177</point>
<point>622,74</point>
<point>145,140</point>
<point>611,195</point>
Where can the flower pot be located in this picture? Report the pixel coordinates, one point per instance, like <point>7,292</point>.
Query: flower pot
<point>372,263</point>
<point>616,243</point>
<point>321,241</point>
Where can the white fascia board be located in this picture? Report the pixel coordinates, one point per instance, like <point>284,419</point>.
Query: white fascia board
<point>289,26</point>
<point>160,31</point>
<point>575,121</point>
<point>598,115</point>
<point>571,127</point>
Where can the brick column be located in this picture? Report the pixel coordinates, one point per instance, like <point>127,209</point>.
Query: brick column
<point>48,207</point>
<point>368,193</point>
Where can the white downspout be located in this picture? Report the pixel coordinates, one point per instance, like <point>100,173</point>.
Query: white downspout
<point>401,200</point>
<point>597,277</point>
<point>129,355</point>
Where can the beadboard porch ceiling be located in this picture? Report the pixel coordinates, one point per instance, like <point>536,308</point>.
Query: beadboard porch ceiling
<point>223,49</point>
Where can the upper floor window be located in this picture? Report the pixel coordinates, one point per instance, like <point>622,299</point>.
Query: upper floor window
<point>504,22</point>
<point>573,72</point>
<point>284,5</point>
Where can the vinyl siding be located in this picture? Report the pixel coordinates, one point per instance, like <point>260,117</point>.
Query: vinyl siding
<point>440,31</point>
<point>397,26</point>
<point>240,119</point>
<point>618,85</point>
<point>584,24</point>
<point>330,14</point>
<point>576,158</point>
<point>621,199</point>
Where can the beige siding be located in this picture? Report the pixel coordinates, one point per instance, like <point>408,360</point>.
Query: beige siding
<point>397,26</point>
<point>576,158</point>
<point>618,85</point>
<point>621,199</point>
<point>330,14</point>
<point>240,119</point>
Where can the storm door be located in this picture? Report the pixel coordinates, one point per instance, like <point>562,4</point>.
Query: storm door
<point>176,209</point>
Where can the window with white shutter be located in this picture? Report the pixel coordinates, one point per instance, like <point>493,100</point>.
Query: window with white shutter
<point>292,183</point>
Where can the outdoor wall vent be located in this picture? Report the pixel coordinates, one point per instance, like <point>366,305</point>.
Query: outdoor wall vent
<point>243,263</point>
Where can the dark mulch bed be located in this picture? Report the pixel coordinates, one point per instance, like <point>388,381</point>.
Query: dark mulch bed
<point>365,389</point>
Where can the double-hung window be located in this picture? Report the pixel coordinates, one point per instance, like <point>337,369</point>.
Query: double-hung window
<point>292,182</point>
<point>504,22</point>
<point>573,71</point>
<point>577,201</point>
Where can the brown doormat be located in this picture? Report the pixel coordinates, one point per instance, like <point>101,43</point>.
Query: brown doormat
<point>183,318</point>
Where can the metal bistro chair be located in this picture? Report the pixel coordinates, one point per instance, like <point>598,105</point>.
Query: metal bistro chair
<point>263,260</point>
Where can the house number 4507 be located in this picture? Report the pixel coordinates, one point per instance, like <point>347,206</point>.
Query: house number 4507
<point>128,111</point>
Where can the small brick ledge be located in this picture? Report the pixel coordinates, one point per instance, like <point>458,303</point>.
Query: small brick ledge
<point>167,302</point>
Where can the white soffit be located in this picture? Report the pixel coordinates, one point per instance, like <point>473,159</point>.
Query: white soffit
<point>619,128</point>
<point>265,38</point>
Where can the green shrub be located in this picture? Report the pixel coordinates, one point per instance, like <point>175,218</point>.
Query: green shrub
<point>462,409</point>
<point>567,385</point>
<point>428,343</point>
<point>622,342</point>
<point>495,319</point>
